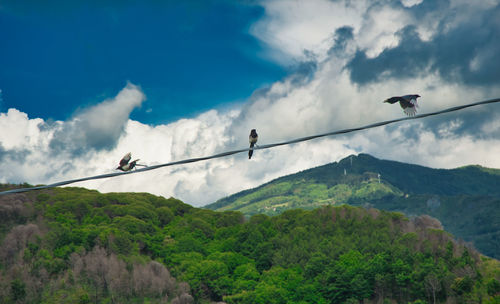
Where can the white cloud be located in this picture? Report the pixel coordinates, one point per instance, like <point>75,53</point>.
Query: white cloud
<point>428,149</point>
<point>99,126</point>
<point>410,3</point>
<point>292,27</point>
<point>18,132</point>
<point>379,28</point>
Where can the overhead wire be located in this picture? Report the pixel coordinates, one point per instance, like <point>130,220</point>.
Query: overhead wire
<point>260,147</point>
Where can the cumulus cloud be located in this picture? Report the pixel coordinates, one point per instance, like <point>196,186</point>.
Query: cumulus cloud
<point>98,127</point>
<point>18,131</point>
<point>293,27</point>
<point>331,89</point>
<point>463,49</point>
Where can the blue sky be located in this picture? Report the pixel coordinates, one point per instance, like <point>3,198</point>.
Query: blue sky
<point>83,83</point>
<point>187,57</point>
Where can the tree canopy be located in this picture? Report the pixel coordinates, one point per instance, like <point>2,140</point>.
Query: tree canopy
<point>72,245</point>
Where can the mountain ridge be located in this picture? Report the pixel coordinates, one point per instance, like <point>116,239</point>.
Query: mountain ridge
<point>464,199</point>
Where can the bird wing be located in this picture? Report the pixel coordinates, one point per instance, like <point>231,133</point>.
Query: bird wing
<point>410,98</point>
<point>405,104</point>
<point>410,111</point>
<point>125,159</point>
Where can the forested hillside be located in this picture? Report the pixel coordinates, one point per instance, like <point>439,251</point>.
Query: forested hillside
<point>72,245</point>
<point>466,200</point>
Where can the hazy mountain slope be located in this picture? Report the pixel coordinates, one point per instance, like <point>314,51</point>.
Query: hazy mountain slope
<point>466,200</point>
<point>73,245</point>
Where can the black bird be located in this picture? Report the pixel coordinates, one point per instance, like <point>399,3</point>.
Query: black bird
<point>252,139</point>
<point>125,165</point>
<point>407,102</point>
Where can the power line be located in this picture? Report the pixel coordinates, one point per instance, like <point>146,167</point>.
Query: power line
<point>228,153</point>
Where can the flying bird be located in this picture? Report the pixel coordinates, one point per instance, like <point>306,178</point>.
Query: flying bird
<point>407,102</point>
<point>252,139</point>
<point>125,165</point>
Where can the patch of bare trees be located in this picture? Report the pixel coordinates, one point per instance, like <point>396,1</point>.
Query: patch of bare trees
<point>97,274</point>
<point>112,277</point>
<point>17,270</point>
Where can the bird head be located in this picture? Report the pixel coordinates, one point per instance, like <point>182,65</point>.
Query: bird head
<point>417,96</point>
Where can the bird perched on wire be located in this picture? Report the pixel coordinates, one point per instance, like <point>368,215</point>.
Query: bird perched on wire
<point>252,139</point>
<point>407,102</point>
<point>125,165</point>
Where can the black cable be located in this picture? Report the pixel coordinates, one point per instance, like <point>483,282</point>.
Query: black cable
<point>224,154</point>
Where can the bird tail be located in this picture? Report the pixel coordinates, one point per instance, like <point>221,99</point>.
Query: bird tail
<point>250,152</point>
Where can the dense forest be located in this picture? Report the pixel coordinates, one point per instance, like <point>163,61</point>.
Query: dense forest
<point>72,245</point>
<point>465,200</point>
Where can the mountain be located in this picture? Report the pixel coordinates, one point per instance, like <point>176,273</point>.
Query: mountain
<point>466,200</point>
<point>73,245</point>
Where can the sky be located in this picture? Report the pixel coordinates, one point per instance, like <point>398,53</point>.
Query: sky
<point>184,55</point>
<point>83,83</point>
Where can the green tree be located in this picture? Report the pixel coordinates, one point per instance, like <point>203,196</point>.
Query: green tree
<point>165,215</point>
<point>462,285</point>
<point>17,290</point>
<point>493,286</point>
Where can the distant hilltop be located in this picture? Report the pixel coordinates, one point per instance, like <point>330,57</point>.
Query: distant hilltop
<point>464,199</point>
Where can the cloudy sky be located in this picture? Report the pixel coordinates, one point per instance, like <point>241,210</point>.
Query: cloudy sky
<point>83,83</point>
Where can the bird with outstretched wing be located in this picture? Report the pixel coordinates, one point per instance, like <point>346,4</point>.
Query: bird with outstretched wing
<point>126,165</point>
<point>407,102</point>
